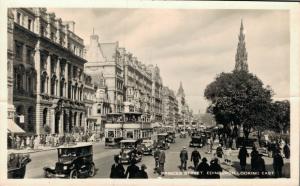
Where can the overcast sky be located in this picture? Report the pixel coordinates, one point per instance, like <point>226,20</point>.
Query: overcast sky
<point>193,46</point>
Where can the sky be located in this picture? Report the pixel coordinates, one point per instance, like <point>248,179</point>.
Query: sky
<point>193,46</point>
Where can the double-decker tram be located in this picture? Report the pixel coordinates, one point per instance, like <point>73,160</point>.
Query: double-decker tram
<point>126,125</point>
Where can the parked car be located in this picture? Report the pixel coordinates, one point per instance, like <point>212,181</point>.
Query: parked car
<point>74,161</point>
<point>147,147</point>
<point>162,142</point>
<point>130,151</point>
<point>16,163</point>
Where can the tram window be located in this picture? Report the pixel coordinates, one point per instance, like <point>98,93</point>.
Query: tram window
<point>110,134</point>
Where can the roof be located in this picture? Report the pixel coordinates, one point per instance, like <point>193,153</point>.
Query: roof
<point>77,145</point>
<point>162,134</point>
<point>128,140</point>
<point>10,151</point>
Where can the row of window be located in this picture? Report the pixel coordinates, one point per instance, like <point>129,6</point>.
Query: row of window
<point>20,49</point>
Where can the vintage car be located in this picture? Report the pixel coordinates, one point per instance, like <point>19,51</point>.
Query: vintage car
<point>196,141</point>
<point>74,161</point>
<point>131,151</point>
<point>171,137</point>
<point>147,147</point>
<point>16,163</point>
<point>162,142</point>
<point>182,134</point>
<point>113,142</point>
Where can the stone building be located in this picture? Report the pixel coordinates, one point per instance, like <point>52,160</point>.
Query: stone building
<point>126,78</point>
<point>48,74</point>
<point>169,107</point>
<point>183,108</point>
<point>105,59</point>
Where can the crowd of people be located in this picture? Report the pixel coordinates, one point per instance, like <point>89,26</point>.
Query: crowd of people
<point>132,172</point>
<point>47,140</point>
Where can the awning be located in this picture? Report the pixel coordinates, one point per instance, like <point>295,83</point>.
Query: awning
<point>12,127</point>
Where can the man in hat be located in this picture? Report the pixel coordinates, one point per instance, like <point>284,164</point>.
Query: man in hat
<point>183,158</point>
<point>162,160</point>
<point>203,168</point>
<point>142,173</point>
<point>117,169</point>
<point>132,170</point>
<point>195,157</point>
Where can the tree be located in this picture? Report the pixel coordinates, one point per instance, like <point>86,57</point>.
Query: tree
<point>240,98</point>
<point>281,110</point>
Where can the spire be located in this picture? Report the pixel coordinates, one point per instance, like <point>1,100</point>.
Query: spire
<point>180,90</point>
<point>241,53</point>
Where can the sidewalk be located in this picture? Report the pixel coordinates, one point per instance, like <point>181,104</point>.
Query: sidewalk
<point>234,169</point>
<point>43,148</point>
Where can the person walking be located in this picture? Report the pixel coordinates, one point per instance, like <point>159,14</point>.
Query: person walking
<point>203,168</point>
<point>117,169</point>
<point>254,157</point>
<point>132,170</point>
<point>243,154</point>
<point>142,173</point>
<point>286,151</point>
<point>162,160</point>
<point>156,158</point>
<point>261,166</point>
<point>277,164</point>
<point>18,141</point>
<point>183,158</point>
<point>195,158</point>
<point>214,169</point>
<point>219,151</point>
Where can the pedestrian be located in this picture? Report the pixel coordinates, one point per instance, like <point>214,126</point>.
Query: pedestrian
<point>254,157</point>
<point>214,169</point>
<point>183,158</point>
<point>132,170</point>
<point>22,143</point>
<point>261,166</point>
<point>162,160</point>
<point>219,151</point>
<point>286,151</point>
<point>117,169</point>
<point>18,141</point>
<point>27,144</point>
<point>156,158</point>
<point>203,168</point>
<point>277,164</point>
<point>36,142</point>
<point>243,154</point>
<point>142,173</point>
<point>31,142</point>
<point>195,158</point>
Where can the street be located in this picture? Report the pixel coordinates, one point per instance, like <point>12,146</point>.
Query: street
<point>103,159</point>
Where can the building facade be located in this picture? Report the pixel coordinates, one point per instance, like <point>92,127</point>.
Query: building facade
<point>127,79</point>
<point>48,78</point>
<point>170,107</point>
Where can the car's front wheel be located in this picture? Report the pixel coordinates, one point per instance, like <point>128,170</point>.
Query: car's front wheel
<point>92,171</point>
<point>73,174</point>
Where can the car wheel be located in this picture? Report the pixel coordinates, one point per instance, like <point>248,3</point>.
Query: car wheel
<point>46,174</point>
<point>73,174</point>
<point>92,171</point>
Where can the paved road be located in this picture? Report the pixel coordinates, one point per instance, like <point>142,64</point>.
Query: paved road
<point>103,159</point>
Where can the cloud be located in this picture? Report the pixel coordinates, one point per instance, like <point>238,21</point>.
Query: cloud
<point>193,46</point>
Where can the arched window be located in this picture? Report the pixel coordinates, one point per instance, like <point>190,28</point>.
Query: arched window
<point>53,79</point>
<point>19,81</point>
<point>45,112</point>
<point>20,113</point>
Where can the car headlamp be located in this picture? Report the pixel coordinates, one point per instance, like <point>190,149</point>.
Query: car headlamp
<point>127,156</point>
<point>65,167</point>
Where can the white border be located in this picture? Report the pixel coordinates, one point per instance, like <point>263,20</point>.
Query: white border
<point>294,85</point>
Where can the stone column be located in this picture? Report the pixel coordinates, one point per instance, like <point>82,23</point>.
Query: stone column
<point>37,63</point>
<point>58,70</point>
<point>49,74</point>
<point>61,123</point>
<point>66,78</point>
<point>52,120</point>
